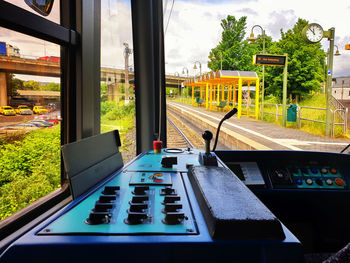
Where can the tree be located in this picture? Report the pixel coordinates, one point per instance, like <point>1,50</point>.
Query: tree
<point>306,64</point>
<point>234,50</point>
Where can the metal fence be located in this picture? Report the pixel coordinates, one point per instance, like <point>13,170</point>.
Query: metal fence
<point>342,113</point>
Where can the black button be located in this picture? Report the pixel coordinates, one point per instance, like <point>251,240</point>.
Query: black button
<point>140,190</point>
<point>139,199</point>
<point>137,207</point>
<point>304,171</point>
<point>102,207</point>
<point>107,198</point>
<point>167,191</point>
<point>135,218</point>
<point>96,218</point>
<point>110,190</point>
<point>171,208</point>
<point>319,182</point>
<point>173,218</point>
<point>171,199</point>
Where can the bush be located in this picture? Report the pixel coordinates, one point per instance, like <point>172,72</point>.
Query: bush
<point>29,169</point>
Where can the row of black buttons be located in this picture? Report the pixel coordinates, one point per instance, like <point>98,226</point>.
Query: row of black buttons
<point>171,207</point>
<point>137,211</point>
<point>101,213</point>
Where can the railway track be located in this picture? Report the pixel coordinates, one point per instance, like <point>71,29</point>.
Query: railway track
<point>176,138</point>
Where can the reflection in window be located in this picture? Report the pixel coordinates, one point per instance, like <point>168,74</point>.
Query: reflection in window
<point>54,16</point>
<point>117,74</point>
<point>30,112</point>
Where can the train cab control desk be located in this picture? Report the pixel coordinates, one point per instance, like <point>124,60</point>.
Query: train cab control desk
<point>145,212</point>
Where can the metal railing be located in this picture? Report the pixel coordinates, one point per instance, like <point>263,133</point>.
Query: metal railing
<point>341,112</point>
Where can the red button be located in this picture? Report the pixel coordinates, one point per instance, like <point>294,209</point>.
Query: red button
<point>339,181</point>
<point>333,171</point>
<point>158,180</point>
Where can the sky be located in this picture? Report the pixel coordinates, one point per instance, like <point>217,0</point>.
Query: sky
<point>194,29</point>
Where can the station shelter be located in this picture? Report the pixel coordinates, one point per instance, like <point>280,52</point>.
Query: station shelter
<point>223,90</point>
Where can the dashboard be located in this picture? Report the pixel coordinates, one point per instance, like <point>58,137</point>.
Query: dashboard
<point>254,206</point>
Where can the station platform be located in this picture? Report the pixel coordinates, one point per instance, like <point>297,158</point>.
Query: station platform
<point>258,135</point>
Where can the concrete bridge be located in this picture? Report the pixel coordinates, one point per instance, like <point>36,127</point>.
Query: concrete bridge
<point>111,76</point>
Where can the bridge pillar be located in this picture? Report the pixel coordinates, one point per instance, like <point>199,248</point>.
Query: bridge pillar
<point>3,89</point>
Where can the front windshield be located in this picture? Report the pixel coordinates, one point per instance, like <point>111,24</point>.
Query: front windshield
<point>282,64</point>
<point>7,108</point>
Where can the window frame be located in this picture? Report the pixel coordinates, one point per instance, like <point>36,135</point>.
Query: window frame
<point>78,35</point>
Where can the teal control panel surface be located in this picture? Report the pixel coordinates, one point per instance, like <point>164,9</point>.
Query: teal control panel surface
<point>133,202</point>
<point>152,161</point>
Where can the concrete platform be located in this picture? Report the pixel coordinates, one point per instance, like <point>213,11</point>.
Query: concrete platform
<point>247,133</point>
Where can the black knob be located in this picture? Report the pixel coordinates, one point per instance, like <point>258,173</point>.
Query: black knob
<point>167,191</point>
<point>171,207</point>
<point>135,218</point>
<point>102,207</point>
<point>173,218</point>
<point>110,190</point>
<point>107,198</point>
<point>140,190</point>
<point>137,207</point>
<point>139,199</point>
<point>96,218</point>
<point>207,135</point>
<point>171,199</point>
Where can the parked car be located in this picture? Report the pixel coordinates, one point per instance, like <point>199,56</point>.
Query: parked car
<point>49,118</point>
<point>7,110</point>
<point>23,110</point>
<point>40,110</point>
<point>41,123</point>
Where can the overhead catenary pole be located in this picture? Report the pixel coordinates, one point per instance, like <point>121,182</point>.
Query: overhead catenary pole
<point>284,99</point>
<point>127,52</point>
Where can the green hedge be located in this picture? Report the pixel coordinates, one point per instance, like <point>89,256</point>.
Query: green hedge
<point>29,169</point>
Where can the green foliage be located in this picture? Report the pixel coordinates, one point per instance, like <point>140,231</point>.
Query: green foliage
<point>50,86</point>
<point>29,169</point>
<point>175,91</point>
<point>104,92</point>
<point>306,63</point>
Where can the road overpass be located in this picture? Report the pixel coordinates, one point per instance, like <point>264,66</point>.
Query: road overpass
<point>111,76</point>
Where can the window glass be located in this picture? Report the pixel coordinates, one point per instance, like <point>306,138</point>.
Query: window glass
<point>54,15</point>
<point>117,69</point>
<point>209,50</point>
<point>30,113</point>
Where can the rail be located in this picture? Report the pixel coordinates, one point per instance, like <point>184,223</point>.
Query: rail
<point>190,145</point>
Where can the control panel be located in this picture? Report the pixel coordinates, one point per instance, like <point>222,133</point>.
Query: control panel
<point>307,175</point>
<point>135,202</point>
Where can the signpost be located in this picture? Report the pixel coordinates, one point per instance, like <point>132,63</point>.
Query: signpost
<point>276,60</point>
<point>269,60</point>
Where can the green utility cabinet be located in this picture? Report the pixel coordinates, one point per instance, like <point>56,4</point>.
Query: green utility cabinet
<point>292,111</point>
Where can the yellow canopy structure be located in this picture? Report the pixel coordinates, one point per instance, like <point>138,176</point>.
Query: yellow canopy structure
<point>224,89</point>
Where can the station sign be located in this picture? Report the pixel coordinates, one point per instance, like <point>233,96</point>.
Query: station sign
<point>269,60</point>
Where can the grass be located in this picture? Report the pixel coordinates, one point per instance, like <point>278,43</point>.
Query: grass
<point>117,116</point>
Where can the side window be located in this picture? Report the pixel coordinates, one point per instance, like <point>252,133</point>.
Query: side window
<point>117,74</point>
<point>30,117</point>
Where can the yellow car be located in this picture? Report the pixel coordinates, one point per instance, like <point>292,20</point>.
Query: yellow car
<point>40,110</point>
<point>23,110</point>
<point>7,110</point>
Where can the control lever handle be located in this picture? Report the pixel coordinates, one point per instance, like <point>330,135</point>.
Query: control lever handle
<point>207,136</point>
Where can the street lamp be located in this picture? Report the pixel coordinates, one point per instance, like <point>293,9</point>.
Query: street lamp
<point>183,71</point>
<point>176,74</point>
<point>214,58</point>
<point>253,39</point>
<point>200,67</point>
<point>337,52</point>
